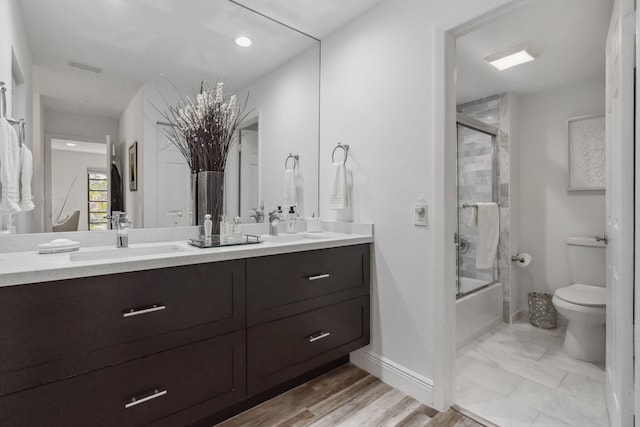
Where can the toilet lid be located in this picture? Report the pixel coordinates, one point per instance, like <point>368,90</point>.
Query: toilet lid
<point>587,295</point>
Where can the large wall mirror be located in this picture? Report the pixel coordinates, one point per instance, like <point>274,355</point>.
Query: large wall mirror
<point>90,77</point>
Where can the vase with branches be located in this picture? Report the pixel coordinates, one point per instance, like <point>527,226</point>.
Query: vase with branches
<point>204,129</point>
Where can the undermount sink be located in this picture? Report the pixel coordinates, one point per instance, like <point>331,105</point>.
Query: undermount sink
<point>115,253</point>
<point>281,238</point>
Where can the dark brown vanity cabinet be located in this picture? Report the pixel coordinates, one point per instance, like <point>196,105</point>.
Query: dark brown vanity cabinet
<point>303,310</point>
<point>54,330</point>
<point>168,347</point>
<point>208,375</point>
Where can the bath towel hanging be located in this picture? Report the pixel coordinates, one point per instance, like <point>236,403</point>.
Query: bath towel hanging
<point>290,184</point>
<point>338,196</point>
<point>9,168</point>
<point>26,175</point>
<point>487,218</point>
<point>339,189</point>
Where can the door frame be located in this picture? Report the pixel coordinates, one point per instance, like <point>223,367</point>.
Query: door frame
<point>636,285</point>
<point>444,137</point>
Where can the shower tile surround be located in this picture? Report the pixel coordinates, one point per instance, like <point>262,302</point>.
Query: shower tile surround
<point>495,111</point>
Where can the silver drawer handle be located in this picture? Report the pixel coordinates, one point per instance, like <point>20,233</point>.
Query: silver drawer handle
<point>134,312</point>
<point>319,276</point>
<point>155,395</point>
<point>318,336</point>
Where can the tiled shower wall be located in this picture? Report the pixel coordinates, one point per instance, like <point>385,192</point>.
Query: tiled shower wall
<point>494,111</point>
<point>475,184</point>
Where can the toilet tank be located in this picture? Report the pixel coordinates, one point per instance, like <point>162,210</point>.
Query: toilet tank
<point>587,261</point>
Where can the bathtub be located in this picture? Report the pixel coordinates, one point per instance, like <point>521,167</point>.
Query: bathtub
<point>477,312</point>
<point>468,284</point>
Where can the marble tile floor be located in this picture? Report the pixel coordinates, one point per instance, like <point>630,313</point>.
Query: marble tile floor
<point>350,397</point>
<point>518,375</point>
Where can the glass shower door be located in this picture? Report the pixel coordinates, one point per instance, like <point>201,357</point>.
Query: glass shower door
<point>477,182</point>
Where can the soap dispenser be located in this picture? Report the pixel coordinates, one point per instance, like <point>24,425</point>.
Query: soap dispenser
<point>208,227</point>
<point>292,220</point>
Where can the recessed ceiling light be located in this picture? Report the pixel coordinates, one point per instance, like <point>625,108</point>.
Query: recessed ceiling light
<point>243,41</point>
<point>511,58</point>
<point>71,144</point>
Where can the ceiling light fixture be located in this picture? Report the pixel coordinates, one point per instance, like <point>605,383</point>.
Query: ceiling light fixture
<point>243,41</point>
<point>510,58</point>
<point>71,144</point>
<point>85,67</point>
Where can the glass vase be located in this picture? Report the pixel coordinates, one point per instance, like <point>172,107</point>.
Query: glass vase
<point>208,197</point>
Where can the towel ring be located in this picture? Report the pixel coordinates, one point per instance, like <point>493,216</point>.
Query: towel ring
<point>295,158</point>
<point>345,147</point>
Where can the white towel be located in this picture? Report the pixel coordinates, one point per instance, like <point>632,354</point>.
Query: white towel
<point>338,196</point>
<point>9,168</point>
<point>299,190</point>
<point>487,218</point>
<point>289,187</point>
<point>26,174</point>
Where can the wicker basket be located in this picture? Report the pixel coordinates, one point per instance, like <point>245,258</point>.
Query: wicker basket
<point>542,313</point>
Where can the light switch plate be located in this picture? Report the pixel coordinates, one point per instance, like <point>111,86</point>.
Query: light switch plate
<point>421,214</point>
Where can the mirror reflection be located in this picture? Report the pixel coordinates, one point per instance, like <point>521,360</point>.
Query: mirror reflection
<point>92,85</point>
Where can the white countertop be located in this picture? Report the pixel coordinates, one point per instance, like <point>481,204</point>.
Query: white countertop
<point>17,268</point>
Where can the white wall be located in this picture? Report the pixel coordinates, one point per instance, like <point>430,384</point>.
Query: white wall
<point>66,165</point>
<point>16,64</point>
<point>549,213</point>
<point>380,96</point>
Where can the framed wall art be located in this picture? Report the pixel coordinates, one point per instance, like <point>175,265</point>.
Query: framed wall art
<point>587,153</point>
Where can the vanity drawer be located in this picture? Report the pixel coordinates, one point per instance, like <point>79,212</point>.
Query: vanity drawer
<point>53,330</point>
<point>284,349</point>
<point>282,285</point>
<point>208,373</point>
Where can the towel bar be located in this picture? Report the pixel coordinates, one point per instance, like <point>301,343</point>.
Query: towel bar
<point>466,205</point>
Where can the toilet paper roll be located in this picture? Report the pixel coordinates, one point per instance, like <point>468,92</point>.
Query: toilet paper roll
<point>522,260</point>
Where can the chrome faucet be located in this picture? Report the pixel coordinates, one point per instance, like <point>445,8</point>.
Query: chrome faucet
<point>258,216</point>
<point>274,219</point>
<point>122,223</point>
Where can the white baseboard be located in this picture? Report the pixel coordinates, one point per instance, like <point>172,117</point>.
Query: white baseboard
<point>407,381</point>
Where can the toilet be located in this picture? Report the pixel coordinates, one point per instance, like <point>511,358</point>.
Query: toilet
<point>583,303</point>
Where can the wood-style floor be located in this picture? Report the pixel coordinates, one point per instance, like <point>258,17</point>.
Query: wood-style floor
<point>346,396</point>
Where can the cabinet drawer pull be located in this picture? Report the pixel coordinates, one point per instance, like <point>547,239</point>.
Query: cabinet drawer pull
<point>145,310</point>
<point>319,276</point>
<point>318,336</point>
<point>135,401</point>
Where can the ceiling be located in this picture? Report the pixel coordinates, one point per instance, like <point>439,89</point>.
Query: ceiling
<point>569,35</point>
<point>136,41</point>
<point>313,17</point>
